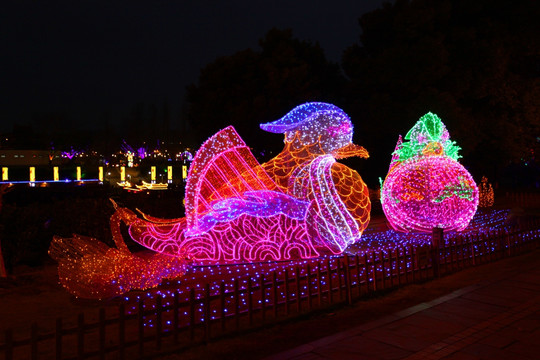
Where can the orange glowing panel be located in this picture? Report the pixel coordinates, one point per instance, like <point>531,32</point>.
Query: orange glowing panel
<point>100,173</point>
<point>79,175</point>
<point>56,176</point>
<point>4,174</point>
<point>122,173</point>
<point>169,172</point>
<point>153,174</point>
<point>32,174</point>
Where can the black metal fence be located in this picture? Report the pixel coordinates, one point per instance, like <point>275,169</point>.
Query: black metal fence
<point>188,319</point>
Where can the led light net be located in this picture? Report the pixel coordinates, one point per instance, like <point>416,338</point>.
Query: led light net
<point>426,187</point>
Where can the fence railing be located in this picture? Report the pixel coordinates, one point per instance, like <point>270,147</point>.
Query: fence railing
<point>523,198</point>
<point>147,327</point>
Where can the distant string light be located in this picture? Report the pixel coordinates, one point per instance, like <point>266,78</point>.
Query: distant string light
<point>486,194</point>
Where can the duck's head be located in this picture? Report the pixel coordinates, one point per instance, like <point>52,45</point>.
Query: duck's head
<point>323,128</point>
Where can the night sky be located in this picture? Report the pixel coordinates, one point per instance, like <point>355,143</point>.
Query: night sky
<point>85,59</point>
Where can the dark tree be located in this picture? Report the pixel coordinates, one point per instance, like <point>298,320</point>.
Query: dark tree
<point>474,63</point>
<point>252,87</point>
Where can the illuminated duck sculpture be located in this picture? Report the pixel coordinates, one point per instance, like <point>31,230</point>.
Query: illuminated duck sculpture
<point>300,204</point>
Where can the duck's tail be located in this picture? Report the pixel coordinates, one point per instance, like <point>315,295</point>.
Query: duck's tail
<point>89,268</point>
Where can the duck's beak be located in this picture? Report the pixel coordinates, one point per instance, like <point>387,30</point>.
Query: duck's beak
<point>351,150</point>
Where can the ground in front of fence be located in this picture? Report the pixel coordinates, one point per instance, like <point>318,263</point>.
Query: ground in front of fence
<point>280,337</point>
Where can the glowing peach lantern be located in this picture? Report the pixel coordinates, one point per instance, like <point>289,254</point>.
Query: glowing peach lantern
<point>426,187</point>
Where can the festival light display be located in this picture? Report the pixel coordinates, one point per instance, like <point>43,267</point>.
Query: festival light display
<point>486,194</point>
<point>426,187</point>
<point>32,171</point>
<point>153,174</point>
<point>169,174</point>
<point>301,204</point>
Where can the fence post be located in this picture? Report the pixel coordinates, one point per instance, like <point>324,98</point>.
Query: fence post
<point>192,314</point>
<point>222,305</point>
<point>374,265</point>
<point>461,263</point>
<point>357,264</point>
<point>207,316</point>
<point>34,341</point>
<point>398,265</point>
<point>473,252</point>
<point>159,321</point>
<point>58,338</point>
<point>391,267</point>
<point>298,291</point>
<point>330,295</point>
<point>140,321</point>
<point>347,274</point>
<point>121,331</point>
<point>414,263</point>
<point>237,304</point>
<point>80,336</point>
<point>508,249</point>
<point>339,270</point>
<point>437,240</point>
<point>176,314</point>
<point>102,333</point>
<point>319,285</point>
<point>308,280</point>
<point>286,292</point>
<point>9,344</point>
<point>366,272</point>
<point>275,293</point>
<point>250,301</point>
<point>263,299</point>
<point>383,269</point>
<point>348,279</point>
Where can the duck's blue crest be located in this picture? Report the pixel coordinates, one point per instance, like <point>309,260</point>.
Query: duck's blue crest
<point>298,116</point>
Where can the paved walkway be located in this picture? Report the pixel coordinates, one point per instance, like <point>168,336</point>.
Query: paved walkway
<point>495,319</point>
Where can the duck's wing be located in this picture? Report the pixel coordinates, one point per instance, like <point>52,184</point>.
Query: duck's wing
<point>223,168</point>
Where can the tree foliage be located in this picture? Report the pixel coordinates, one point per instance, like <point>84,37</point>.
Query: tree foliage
<point>476,64</point>
<point>251,87</point>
